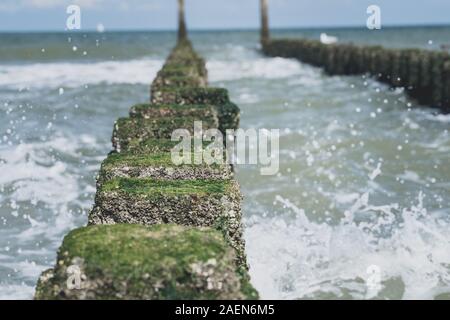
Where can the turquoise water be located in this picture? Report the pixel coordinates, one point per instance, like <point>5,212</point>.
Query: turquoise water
<point>315,230</point>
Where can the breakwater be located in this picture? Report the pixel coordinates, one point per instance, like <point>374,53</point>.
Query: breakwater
<point>160,231</point>
<point>423,74</point>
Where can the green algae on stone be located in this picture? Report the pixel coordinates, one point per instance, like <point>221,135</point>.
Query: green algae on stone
<point>161,82</point>
<point>150,111</point>
<point>446,87</point>
<point>184,54</point>
<point>438,60</point>
<point>183,51</point>
<point>145,263</point>
<point>187,72</point>
<point>414,69</point>
<point>158,166</point>
<point>45,285</point>
<point>173,69</point>
<point>205,203</point>
<point>140,185</point>
<point>189,96</point>
<point>420,72</point>
<point>152,145</point>
<point>228,112</point>
<point>229,116</point>
<point>134,130</point>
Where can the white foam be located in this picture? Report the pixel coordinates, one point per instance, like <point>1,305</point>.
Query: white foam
<point>23,168</point>
<point>445,118</point>
<point>16,292</point>
<point>43,191</point>
<point>59,75</point>
<point>257,68</point>
<point>300,258</point>
<point>411,176</point>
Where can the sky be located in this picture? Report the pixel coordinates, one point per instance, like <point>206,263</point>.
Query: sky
<point>40,15</point>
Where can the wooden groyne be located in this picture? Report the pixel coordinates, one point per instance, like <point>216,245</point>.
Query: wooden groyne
<point>157,230</point>
<point>424,75</point>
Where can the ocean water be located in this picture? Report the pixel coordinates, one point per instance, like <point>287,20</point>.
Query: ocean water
<point>359,209</point>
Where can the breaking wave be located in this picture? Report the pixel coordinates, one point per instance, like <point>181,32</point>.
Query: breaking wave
<point>55,75</point>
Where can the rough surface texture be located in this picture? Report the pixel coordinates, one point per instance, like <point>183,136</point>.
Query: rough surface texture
<point>158,165</point>
<point>159,230</point>
<point>183,68</point>
<point>203,203</point>
<point>194,95</point>
<point>152,111</point>
<point>151,145</point>
<point>138,262</point>
<point>135,130</point>
<point>228,114</point>
<point>421,72</point>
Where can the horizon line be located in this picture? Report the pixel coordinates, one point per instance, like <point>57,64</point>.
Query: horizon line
<point>390,26</point>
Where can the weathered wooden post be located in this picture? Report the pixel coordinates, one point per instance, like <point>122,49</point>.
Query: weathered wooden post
<point>182,30</point>
<point>265,35</point>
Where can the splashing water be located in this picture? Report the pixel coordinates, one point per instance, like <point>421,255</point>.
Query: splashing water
<point>304,259</point>
<point>358,210</point>
<point>341,219</point>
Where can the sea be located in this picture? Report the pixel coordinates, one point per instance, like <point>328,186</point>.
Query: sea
<point>360,207</point>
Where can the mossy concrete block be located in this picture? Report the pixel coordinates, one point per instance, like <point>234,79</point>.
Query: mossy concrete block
<point>153,111</point>
<point>217,98</point>
<point>425,66</point>
<point>414,70</point>
<point>172,69</point>
<point>356,58</point>
<point>342,64</point>
<point>386,65</point>
<point>281,48</point>
<point>396,80</point>
<point>367,59</point>
<point>205,203</point>
<point>405,63</point>
<point>372,62</point>
<point>437,77</point>
<point>149,146</point>
<point>446,87</point>
<point>158,166</point>
<point>192,66</point>
<point>380,63</point>
<point>161,82</point>
<point>129,131</point>
<point>186,96</point>
<point>229,116</point>
<point>45,284</point>
<point>330,62</point>
<point>183,51</point>
<point>322,54</point>
<point>133,262</point>
<point>184,54</point>
<point>188,72</point>
<point>420,72</point>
